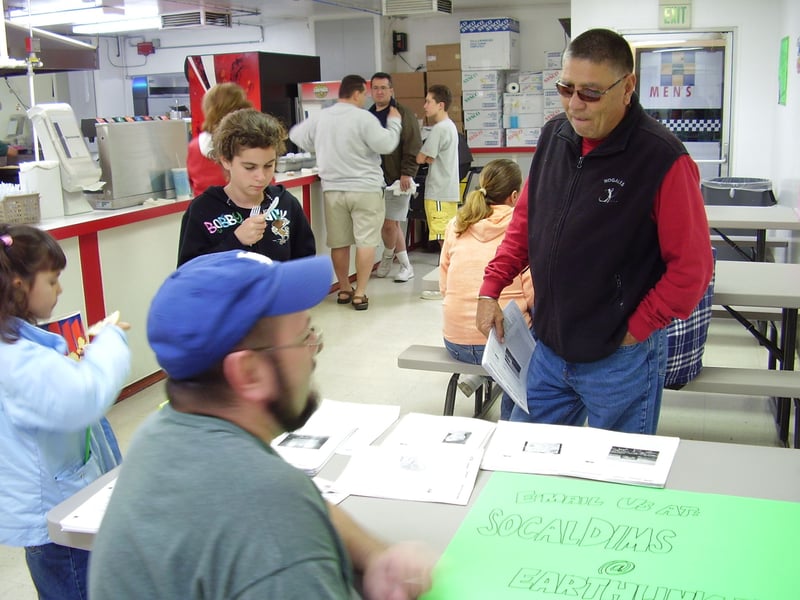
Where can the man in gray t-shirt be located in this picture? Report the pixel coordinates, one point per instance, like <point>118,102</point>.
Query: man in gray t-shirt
<point>203,507</point>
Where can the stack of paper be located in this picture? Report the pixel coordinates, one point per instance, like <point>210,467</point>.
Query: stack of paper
<point>581,452</point>
<point>425,458</point>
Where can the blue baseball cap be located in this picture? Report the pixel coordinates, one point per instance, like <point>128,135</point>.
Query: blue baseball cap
<point>208,305</point>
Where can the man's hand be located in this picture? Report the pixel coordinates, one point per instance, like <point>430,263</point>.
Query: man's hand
<point>489,315</point>
<point>405,182</point>
<point>394,113</point>
<point>629,340</point>
<point>400,572</point>
<point>251,230</point>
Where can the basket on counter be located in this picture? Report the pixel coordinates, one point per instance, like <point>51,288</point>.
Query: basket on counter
<point>19,209</point>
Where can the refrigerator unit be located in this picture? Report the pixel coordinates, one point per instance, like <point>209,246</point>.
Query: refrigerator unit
<point>270,80</point>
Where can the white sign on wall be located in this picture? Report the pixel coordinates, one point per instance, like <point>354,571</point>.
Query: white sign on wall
<point>681,79</point>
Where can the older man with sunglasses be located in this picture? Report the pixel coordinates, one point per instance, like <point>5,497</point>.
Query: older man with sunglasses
<point>615,233</point>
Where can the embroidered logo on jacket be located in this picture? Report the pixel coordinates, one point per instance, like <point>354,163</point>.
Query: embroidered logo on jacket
<point>223,222</point>
<point>611,188</point>
<point>280,225</point>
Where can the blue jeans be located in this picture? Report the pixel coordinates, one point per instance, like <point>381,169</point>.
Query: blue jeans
<point>621,392</point>
<point>473,354</point>
<point>58,572</point>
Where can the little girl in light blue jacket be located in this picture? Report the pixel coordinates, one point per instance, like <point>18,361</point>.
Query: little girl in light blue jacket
<point>52,443</point>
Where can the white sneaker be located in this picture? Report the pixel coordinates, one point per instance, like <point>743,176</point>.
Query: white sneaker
<point>385,266</point>
<point>405,273</point>
<point>430,295</point>
<point>470,383</point>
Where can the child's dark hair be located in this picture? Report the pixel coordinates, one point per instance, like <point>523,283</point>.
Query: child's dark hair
<point>24,252</point>
<point>441,93</point>
<point>498,180</point>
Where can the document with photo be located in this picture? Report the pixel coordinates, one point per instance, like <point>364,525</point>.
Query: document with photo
<point>368,421</point>
<point>418,429</point>
<point>507,362</point>
<point>583,452</point>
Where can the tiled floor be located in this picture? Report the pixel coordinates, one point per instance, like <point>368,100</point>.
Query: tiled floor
<point>359,364</point>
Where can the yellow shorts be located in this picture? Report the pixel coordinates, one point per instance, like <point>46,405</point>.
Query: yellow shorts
<point>439,214</point>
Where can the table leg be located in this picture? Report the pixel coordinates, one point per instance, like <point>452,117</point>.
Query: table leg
<point>787,343</point>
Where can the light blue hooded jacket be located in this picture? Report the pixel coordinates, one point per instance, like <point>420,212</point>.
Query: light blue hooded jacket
<point>47,401</point>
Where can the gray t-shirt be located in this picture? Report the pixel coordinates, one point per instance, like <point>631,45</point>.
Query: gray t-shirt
<point>442,145</point>
<point>204,510</point>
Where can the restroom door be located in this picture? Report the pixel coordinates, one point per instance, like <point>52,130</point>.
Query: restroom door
<point>684,81</point>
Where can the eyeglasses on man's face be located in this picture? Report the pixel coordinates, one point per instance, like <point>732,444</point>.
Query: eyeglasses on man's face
<point>311,337</point>
<point>586,94</point>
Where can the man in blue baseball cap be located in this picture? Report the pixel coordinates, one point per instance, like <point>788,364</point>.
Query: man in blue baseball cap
<point>204,508</point>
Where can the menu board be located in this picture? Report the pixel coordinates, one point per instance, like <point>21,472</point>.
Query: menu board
<point>550,538</point>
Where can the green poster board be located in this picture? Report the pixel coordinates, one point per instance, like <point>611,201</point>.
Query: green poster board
<point>549,538</point>
<point>783,70</point>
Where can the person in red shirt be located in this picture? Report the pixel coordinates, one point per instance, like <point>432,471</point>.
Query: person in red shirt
<point>202,169</point>
<point>615,233</point>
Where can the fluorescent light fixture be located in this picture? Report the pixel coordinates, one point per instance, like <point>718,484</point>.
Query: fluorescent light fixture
<point>65,17</point>
<point>119,26</point>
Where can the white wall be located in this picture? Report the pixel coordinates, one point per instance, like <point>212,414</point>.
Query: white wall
<point>539,31</point>
<point>119,60</point>
<point>764,137</point>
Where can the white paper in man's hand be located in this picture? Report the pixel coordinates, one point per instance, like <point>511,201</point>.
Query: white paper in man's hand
<point>507,362</point>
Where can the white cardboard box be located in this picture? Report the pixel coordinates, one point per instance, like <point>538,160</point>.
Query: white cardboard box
<point>552,100</point>
<point>527,136</point>
<point>486,138</point>
<point>552,59</point>
<point>482,100</point>
<point>549,78</point>
<point>549,115</point>
<point>523,121</point>
<point>490,43</point>
<point>523,103</point>
<point>483,119</point>
<point>483,80</point>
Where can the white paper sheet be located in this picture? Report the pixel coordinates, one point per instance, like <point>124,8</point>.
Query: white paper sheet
<point>581,452</point>
<point>418,429</point>
<point>507,362</point>
<point>87,517</point>
<point>369,421</point>
<point>445,473</point>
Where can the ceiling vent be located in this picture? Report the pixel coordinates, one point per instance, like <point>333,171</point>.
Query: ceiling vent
<point>195,18</point>
<point>400,8</point>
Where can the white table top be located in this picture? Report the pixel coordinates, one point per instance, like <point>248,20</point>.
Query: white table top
<point>707,467</point>
<point>746,283</point>
<point>753,217</point>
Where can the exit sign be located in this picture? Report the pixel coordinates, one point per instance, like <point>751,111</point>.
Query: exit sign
<point>675,14</point>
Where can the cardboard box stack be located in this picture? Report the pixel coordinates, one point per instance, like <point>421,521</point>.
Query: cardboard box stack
<point>444,68</point>
<point>489,51</point>
<point>409,90</point>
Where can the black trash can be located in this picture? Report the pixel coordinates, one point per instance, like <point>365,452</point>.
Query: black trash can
<point>737,191</point>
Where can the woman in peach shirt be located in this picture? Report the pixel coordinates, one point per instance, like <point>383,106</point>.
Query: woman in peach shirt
<point>471,240</point>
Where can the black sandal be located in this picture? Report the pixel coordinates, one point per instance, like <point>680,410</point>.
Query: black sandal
<point>362,304</point>
<point>345,297</point>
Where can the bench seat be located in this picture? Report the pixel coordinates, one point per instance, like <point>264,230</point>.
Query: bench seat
<point>438,359</point>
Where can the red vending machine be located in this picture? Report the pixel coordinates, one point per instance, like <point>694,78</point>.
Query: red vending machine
<point>270,80</point>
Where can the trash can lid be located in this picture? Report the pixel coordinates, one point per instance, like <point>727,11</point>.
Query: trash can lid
<point>738,183</point>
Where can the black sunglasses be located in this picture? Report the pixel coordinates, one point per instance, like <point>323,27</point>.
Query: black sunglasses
<point>585,94</point>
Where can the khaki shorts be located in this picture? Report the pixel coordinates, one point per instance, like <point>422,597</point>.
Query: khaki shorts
<point>439,214</point>
<point>397,205</point>
<point>353,218</point>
